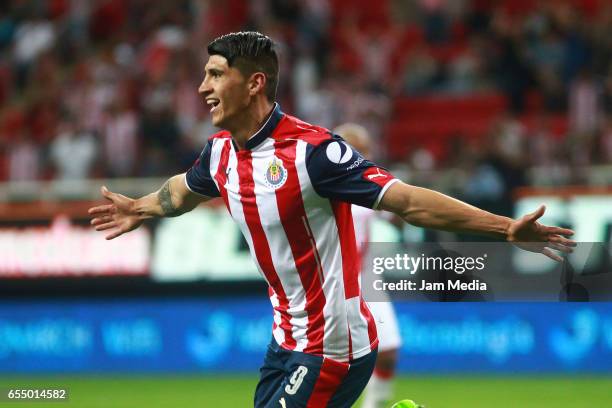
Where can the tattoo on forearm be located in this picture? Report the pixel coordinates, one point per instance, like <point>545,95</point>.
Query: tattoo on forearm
<point>165,200</point>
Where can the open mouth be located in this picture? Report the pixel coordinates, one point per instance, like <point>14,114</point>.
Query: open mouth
<point>213,103</point>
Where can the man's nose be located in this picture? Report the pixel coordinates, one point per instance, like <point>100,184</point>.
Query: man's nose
<point>204,88</point>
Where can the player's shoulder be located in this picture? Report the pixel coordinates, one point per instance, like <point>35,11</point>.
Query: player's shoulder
<point>293,128</point>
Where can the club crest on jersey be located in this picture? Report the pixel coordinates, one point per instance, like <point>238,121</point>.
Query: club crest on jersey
<point>276,174</point>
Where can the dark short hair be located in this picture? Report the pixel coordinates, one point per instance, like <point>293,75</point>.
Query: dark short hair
<point>249,52</point>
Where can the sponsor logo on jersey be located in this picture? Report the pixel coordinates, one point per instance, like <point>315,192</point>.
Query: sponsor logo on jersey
<point>355,164</point>
<point>276,174</point>
<point>339,152</point>
<point>377,175</point>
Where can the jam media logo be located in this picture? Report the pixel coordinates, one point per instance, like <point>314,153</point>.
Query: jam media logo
<point>276,174</point>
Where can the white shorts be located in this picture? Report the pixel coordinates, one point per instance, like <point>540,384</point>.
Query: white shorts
<point>386,326</point>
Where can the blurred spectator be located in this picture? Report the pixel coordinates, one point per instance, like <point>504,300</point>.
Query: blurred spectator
<point>499,171</point>
<point>160,132</point>
<point>92,89</point>
<point>508,60</point>
<point>24,158</point>
<point>541,143</point>
<point>420,73</point>
<point>584,103</point>
<point>73,152</point>
<point>436,21</point>
<point>605,144</point>
<point>120,142</point>
<point>374,48</point>
<point>187,101</point>
<point>607,92</point>
<point>316,103</point>
<point>201,131</point>
<point>107,18</point>
<point>32,37</point>
<point>313,32</point>
<point>466,71</point>
<point>508,140</point>
<point>601,40</point>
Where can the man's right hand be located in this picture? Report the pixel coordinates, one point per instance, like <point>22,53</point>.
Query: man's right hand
<point>119,216</point>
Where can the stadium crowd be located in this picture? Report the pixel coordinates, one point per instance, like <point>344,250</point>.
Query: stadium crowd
<point>108,88</point>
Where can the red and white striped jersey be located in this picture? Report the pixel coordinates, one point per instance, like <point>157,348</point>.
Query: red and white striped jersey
<point>290,191</point>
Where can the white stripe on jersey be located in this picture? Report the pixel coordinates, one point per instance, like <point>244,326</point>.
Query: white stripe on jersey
<point>278,332</point>
<point>215,157</point>
<point>358,322</point>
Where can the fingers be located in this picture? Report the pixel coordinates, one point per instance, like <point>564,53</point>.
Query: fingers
<point>106,226</point>
<point>101,220</point>
<point>106,193</point>
<point>114,234</point>
<point>562,240</point>
<point>549,253</point>
<point>560,247</point>
<point>103,215</point>
<point>560,231</point>
<point>534,216</point>
<point>107,208</point>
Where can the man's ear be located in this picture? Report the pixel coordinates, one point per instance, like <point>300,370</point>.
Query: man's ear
<point>257,83</point>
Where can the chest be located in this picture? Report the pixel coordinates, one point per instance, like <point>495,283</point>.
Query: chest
<point>270,186</point>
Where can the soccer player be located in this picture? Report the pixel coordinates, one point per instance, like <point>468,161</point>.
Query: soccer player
<point>289,185</point>
<point>379,390</point>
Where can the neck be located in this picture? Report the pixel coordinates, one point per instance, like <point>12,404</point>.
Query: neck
<point>255,117</point>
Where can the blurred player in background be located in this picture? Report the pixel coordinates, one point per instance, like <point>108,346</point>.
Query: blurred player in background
<point>289,185</point>
<point>379,390</point>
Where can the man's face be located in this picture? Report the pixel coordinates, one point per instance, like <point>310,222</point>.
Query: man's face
<point>225,91</point>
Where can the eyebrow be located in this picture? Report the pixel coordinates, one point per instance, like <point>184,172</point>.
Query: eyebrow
<point>213,70</point>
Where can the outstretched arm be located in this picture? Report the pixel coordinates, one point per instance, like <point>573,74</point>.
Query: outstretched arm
<point>125,214</point>
<point>430,209</point>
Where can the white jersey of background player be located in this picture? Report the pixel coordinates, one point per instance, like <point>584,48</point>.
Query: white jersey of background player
<point>379,389</point>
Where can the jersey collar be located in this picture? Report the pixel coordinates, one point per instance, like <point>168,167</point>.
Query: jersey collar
<point>266,130</point>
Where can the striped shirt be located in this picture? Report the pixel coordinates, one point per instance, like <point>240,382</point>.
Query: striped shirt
<point>290,191</point>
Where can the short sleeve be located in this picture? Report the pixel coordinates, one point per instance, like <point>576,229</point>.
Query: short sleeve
<point>339,172</point>
<point>198,178</point>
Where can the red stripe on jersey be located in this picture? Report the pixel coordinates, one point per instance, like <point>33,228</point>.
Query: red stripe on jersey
<point>330,377</point>
<point>348,247</point>
<point>303,246</point>
<point>260,243</point>
<point>221,174</point>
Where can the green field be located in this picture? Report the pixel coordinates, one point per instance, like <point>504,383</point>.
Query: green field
<point>236,391</point>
